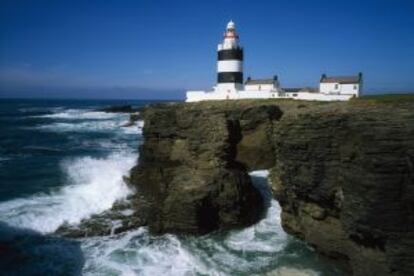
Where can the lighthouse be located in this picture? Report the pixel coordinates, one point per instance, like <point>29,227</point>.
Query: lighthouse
<point>230,62</point>
<point>230,85</point>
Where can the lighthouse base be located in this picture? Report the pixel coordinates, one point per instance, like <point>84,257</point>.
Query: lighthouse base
<point>234,94</point>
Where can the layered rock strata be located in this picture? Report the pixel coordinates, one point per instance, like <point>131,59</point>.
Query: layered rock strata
<point>344,176</point>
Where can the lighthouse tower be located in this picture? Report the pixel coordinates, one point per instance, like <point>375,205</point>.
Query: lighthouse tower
<point>230,62</point>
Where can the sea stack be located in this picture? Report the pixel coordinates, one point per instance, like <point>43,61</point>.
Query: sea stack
<point>230,61</point>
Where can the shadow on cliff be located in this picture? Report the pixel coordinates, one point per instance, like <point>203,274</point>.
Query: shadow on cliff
<point>27,252</point>
<point>262,185</point>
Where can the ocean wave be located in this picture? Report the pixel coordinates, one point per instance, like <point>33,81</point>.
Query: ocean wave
<point>92,126</point>
<point>93,185</point>
<point>4,158</point>
<point>133,129</point>
<point>139,253</point>
<point>80,114</point>
<point>108,125</point>
<point>89,126</point>
<point>40,109</point>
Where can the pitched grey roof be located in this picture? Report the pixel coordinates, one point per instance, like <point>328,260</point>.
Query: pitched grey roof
<point>341,79</point>
<point>262,81</point>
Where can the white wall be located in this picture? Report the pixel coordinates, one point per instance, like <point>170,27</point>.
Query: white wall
<point>195,96</point>
<point>350,89</point>
<point>328,87</point>
<point>309,96</point>
<point>337,88</point>
<point>258,87</point>
<point>226,86</point>
<point>257,94</point>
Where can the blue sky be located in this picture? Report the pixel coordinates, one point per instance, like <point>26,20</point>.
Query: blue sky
<point>158,49</point>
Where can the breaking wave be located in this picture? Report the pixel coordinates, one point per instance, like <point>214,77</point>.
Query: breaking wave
<point>79,114</point>
<point>93,185</point>
<point>244,252</point>
<point>138,253</point>
<point>78,120</point>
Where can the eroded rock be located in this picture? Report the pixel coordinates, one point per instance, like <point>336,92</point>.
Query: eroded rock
<point>193,165</point>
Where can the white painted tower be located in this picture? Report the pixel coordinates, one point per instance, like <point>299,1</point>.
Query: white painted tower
<point>230,62</point>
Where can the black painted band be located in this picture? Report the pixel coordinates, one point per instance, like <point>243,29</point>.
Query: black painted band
<point>231,54</point>
<point>230,77</point>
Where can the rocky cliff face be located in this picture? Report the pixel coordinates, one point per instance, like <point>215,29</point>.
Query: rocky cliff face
<point>193,165</point>
<point>344,176</point>
<point>342,172</point>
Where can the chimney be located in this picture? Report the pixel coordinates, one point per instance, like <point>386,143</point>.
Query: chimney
<point>360,76</point>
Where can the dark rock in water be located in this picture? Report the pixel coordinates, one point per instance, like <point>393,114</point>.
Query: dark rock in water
<point>123,216</point>
<point>133,118</point>
<point>135,112</point>
<point>344,176</point>
<point>119,109</point>
<point>193,165</point>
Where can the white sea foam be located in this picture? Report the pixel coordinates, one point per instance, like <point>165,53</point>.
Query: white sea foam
<point>93,186</point>
<point>134,129</point>
<point>89,126</point>
<point>248,240</point>
<point>115,124</point>
<point>138,253</point>
<point>80,114</point>
<point>260,173</point>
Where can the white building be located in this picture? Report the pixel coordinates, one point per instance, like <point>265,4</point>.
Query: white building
<point>230,80</point>
<point>341,85</point>
<point>262,84</point>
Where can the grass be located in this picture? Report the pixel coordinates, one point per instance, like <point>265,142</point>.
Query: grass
<point>387,97</point>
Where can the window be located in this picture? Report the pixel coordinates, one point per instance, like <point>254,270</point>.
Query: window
<point>295,95</point>
<point>336,86</point>
<point>355,87</point>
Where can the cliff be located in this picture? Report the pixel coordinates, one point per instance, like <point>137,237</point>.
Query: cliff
<point>193,165</point>
<point>342,172</point>
<point>344,177</point>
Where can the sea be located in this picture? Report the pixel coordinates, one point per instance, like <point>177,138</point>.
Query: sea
<point>62,161</point>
